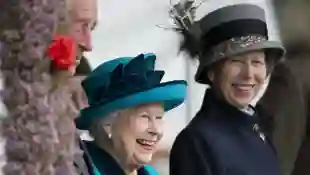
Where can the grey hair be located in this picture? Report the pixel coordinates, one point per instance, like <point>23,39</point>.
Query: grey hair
<point>101,127</point>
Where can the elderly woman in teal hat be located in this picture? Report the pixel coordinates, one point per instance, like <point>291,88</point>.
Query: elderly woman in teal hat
<point>127,102</point>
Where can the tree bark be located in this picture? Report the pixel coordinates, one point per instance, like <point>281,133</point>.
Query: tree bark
<point>39,128</point>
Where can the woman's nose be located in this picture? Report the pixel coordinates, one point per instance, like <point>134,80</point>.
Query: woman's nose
<point>247,71</point>
<point>154,128</point>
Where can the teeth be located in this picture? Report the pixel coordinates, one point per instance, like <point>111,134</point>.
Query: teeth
<point>146,142</point>
<point>245,87</point>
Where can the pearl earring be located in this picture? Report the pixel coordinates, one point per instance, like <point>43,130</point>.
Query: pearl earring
<point>110,135</point>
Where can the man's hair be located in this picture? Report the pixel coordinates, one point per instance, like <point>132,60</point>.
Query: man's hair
<point>69,4</point>
<point>63,26</point>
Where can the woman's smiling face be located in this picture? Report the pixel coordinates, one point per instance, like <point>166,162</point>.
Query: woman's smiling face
<point>137,132</point>
<point>240,77</point>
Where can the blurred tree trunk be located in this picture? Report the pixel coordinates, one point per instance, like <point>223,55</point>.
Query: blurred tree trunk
<point>296,35</point>
<point>39,128</point>
<point>287,96</point>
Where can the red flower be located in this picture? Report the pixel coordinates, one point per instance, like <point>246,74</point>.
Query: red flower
<point>63,51</point>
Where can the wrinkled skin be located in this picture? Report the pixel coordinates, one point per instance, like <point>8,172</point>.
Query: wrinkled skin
<point>143,122</point>
<point>134,135</point>
<point>82,21</point>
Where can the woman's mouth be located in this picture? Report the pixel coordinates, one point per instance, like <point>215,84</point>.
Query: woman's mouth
<point>146,144</point>
<point>243,87</point>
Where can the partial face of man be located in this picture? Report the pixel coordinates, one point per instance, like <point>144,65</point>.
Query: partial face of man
<point>82,20</point>
<point>241,77</point>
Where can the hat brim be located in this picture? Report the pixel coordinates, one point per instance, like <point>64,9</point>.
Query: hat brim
<point>273,49</point>
<point>170,94</point>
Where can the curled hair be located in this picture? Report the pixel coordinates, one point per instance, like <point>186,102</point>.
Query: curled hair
<point>100,127</point>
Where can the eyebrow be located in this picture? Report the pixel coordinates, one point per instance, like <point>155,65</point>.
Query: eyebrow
<point>88,20</point>
<point>147,114</point>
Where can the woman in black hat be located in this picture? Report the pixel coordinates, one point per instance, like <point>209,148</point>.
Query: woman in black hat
<point>235,55</point>
<point>126,103</point>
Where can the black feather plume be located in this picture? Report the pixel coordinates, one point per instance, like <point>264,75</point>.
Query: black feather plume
<point>183,14</point>
<point>189,44</point>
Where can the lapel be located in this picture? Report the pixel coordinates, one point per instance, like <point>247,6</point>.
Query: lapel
<point>85,160</point>
<point>103,161</point>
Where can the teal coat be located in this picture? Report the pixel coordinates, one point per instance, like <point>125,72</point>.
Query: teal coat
<point>104,164</point>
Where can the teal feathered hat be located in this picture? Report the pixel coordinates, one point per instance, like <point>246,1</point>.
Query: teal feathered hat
<point>127,82</point>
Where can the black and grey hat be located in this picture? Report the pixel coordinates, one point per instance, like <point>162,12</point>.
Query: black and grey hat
<point>229,31</point>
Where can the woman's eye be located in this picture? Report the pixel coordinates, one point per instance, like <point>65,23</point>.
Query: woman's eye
<point>159,117</point>
<point>236,61</point>
<point>258,62</point>
<point>144,116</point>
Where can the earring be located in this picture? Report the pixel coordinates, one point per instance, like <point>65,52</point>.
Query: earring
<point>109,135</point>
